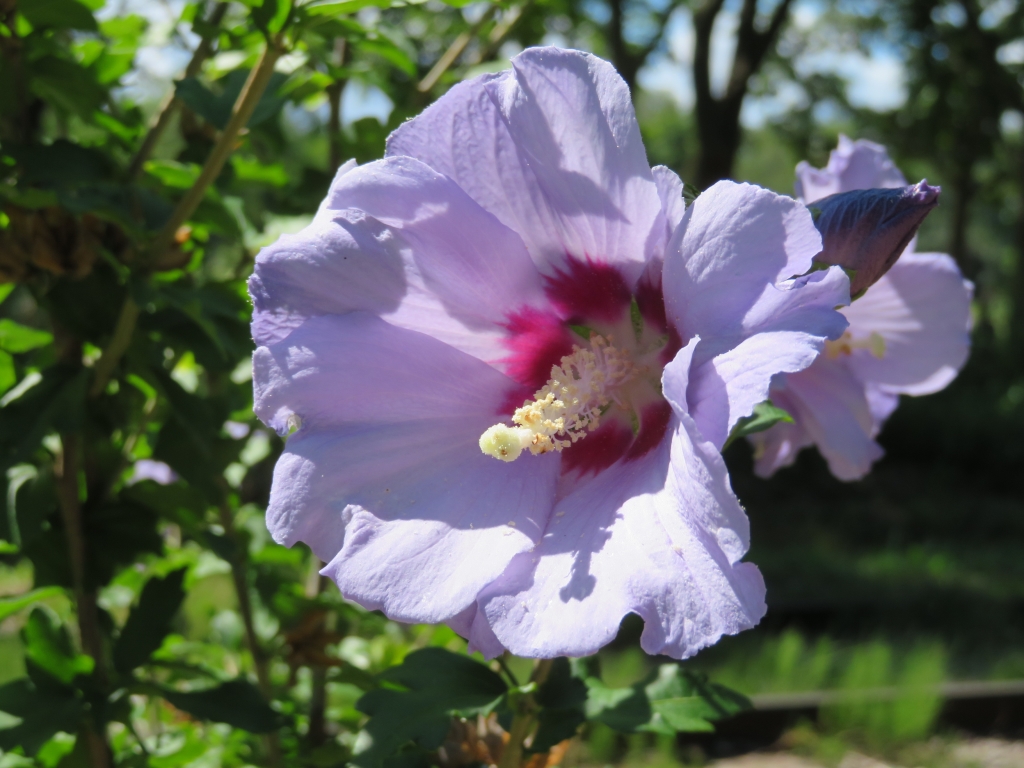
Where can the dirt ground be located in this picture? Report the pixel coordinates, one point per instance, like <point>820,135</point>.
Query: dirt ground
<point>972,753</point>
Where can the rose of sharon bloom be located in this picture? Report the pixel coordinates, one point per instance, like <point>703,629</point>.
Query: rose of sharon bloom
<point>514,244</point>
<point>909,334</point>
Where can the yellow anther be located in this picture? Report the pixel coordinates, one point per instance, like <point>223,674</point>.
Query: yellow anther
<point>565,408</point>
<point>845,345</point>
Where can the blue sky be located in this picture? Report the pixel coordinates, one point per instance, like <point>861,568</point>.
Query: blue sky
<point>875,81</point>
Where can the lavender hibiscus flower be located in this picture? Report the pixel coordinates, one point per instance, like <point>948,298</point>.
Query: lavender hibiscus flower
<point>908,334</point>
<point>513,281</point>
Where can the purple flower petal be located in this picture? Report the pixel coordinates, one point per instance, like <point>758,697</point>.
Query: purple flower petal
<point>554,150</point>
<point>778,447</point>
<point>660,537</point>
<point>921,310</point>
<point>852,165</point>
<point>881,404</point>
<point>736,240</point>
<point>344,168</point>
<point>670,190</point>
<point>385,479</point>
<point>157,471</point>
<point>908,333</point>
<point>404,242</point>
<point>335,265</point>
<point>727,282</point>
<point>335,370</point>
<point>726,388</point>
<point>829,403</point>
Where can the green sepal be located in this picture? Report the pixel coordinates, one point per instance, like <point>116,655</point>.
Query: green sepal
<point>765,416</point>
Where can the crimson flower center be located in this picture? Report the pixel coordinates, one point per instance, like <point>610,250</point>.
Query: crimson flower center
<point>612,375</point>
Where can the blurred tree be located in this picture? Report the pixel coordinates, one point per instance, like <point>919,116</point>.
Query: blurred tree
<point>647,21</point>
<point>718,117</point>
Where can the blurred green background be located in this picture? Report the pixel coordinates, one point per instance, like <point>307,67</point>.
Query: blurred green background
<point>911,577</point>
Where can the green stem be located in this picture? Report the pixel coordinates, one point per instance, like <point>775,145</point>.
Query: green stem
<point>317,733</point>
<point>524,719</point>
<point>173,103</point>
<point>454,51</point>
<point>252,92</point>
<point>85,599</point>
<point>119,342</point>
<point>246,103</point>
<point>260,661</point>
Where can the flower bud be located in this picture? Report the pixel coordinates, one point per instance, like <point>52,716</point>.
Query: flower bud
<point>866,230</point>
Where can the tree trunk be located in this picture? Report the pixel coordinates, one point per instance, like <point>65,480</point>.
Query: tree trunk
<point>718,128</point>
<point>718,118</point>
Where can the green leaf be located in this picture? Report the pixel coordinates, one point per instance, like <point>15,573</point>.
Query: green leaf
<point>250,170</point>
<point>67,85</point>
<point>670,701</point>
<point>191,750</point>
<point>43,711</point>
<point>150,622</point>
<point>435,684</point>
<point>32,500</point>
<point>58,14</point>
<point>8,375</point>
<point>271,15</point>
<point>173,174</point>
<point>562,699</point>
<point>116,532</point>
<point>28,197</point>
<point>583,331</point>
<point>190,442</point>
<point>178,502</point>
<point>48,645</point>
<point>690,193</point>
<point>16,338</point>
<point>345,7</point>
<point>687,702</point>
<point>216,109</point>
<point>58,164</point>
<point>5,291</point>
<point>12,605</point>
<point>623,709</point>
<point>56,401</point>
<point>236,703</point>
<point>765,416</point>
<point>387,50</point>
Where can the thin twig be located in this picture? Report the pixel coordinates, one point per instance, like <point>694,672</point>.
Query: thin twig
<point>172,104</point>
<point>260,661</point>
<point>317,733</point>
<point>118,345</point>
<point>454,51</point>
<point>252,92</point>
<point>85,600</point>
<point>334,92</point>
<point>508,672</point>
<point>501,31</point>
<point>246,103</point>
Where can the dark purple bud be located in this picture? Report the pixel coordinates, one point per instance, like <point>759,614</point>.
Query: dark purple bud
<point>866,230</point>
